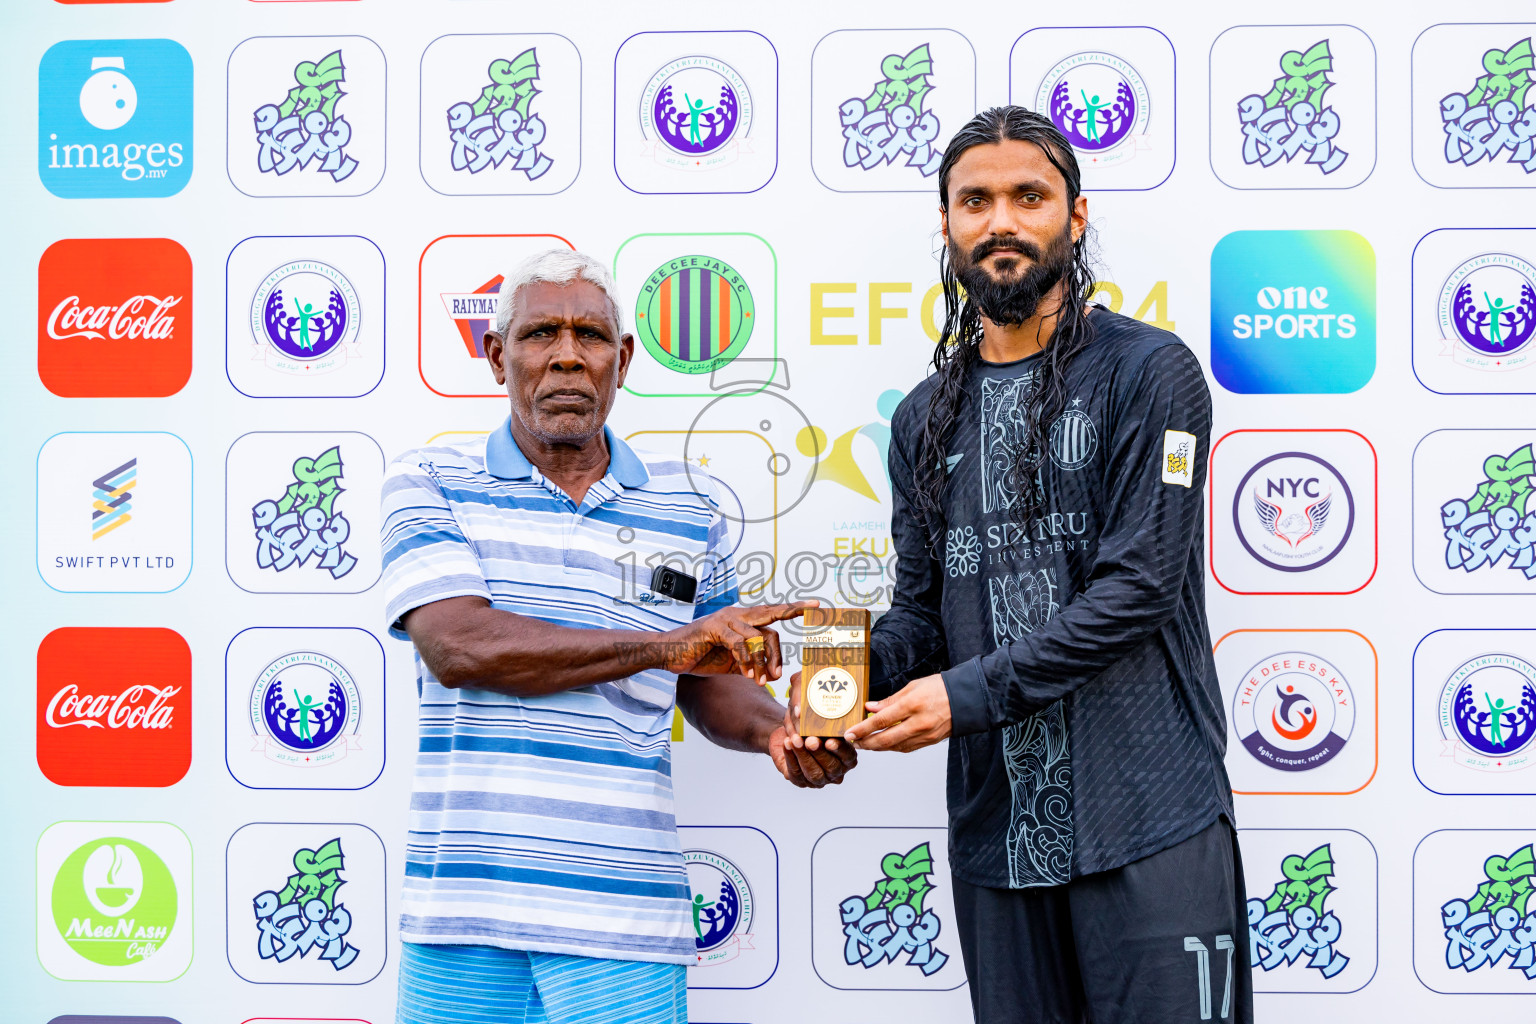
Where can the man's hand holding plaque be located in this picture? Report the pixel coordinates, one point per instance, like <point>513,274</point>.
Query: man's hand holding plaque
<point>835,661</point>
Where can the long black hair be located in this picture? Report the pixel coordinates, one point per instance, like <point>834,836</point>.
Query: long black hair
<point>959,347</point>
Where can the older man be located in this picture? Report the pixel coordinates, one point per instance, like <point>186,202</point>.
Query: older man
<point>544,879</point>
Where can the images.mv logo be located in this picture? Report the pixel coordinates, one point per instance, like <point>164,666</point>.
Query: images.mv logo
<point>114,118</point>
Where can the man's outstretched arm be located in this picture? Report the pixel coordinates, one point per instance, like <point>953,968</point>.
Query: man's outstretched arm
<point>468,643</point>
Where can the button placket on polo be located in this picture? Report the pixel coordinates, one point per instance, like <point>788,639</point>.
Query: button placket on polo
<point>596,497</point>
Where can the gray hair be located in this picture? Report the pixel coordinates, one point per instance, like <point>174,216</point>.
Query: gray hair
<point>556,266</point>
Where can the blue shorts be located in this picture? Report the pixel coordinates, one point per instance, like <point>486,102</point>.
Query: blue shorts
<point>489,985</point>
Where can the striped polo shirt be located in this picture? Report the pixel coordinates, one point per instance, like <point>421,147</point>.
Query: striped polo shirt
<point>546,823</point>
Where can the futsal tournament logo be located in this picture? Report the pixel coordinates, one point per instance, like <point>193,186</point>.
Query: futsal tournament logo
<point>1100,102</point>
<point>305,710</point>
<point>498,127</point>
<point>722,907</point>
<point>1294,921</point>
<point>1294,711</point>
<point>1487,713</point>
<point>696,113</point>
<point>1495,119</point>
<point>304,523</point>
<point>1496,921</point>
<point>892,920</point>
<point>892,122</point>
<point>1294,118</point>
<point>114,901</point>
<point>304,128</point>
<point>1293,511</point>
<point>1497,521</point>
<point>694,314</point>
<point>305,915</point>
<point>1487,311</point>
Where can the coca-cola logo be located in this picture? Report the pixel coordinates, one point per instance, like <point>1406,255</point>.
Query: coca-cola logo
<point>137,707</point>
<point>142,316</point>
<point>114,706</point>
<point>132,298</point>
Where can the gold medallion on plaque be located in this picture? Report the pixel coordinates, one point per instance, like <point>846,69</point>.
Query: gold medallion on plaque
<point>834,660</point>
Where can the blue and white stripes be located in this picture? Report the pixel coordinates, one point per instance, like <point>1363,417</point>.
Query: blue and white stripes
<point>546,823</point>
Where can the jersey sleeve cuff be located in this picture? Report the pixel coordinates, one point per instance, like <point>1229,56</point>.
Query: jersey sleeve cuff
<point>967,690</point>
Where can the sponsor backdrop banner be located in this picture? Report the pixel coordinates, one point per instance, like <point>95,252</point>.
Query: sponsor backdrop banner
<point>260,242</point>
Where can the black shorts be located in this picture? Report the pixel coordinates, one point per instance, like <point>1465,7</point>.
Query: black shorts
<point>1163,939</point>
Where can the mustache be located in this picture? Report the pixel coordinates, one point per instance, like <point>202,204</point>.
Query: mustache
<point>988,246</point>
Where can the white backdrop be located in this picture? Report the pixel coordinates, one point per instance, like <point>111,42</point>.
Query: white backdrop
<point>1330,333</point>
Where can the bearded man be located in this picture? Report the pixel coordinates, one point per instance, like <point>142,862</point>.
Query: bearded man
<point>1049,617</point>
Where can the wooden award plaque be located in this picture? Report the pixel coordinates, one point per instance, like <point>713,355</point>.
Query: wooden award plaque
<point>834,669</point>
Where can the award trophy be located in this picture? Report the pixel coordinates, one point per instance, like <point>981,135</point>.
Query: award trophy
<point>834,669</point>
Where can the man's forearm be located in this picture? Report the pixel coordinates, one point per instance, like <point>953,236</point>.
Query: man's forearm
<point>731,711</point>
<point>476,646</point>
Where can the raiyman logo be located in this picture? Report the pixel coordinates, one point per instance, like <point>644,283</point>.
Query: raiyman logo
<point>137,707</point>
<point>142,316</point>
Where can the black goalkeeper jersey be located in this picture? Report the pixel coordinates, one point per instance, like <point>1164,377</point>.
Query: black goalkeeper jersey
<point>1088,731</point>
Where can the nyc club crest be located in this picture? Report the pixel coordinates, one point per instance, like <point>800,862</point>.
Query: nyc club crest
<point>1293,511</point>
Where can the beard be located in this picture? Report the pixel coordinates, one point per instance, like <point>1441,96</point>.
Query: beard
<point>1013,295</point>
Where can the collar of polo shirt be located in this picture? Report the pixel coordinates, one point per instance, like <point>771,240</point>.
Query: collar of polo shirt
<point>506,461</point>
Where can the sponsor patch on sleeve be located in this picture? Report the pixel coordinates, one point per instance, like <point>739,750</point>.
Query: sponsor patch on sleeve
<point>1178,458</point>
